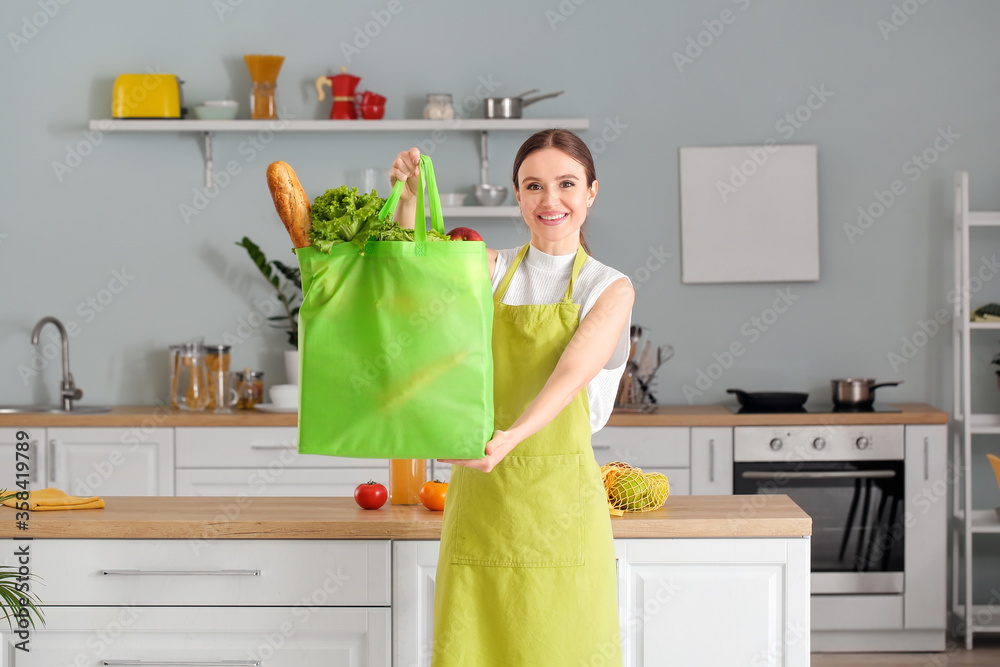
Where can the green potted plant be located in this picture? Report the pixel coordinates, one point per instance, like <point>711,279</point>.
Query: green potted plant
<point>289,293</point>
<point>14,602</point>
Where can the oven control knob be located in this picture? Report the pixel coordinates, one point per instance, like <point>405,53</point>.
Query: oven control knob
<point>862,443</point>
<point>819,443</point>
<point>776,444</point>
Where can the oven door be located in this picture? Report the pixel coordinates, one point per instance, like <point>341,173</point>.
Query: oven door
<point>857,512</point>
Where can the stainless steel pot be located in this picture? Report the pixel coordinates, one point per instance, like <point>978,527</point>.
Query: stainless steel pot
<point>857,391</point>
<point>510,107</point>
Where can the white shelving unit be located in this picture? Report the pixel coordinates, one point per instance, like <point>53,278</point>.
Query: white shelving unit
<point>968,522</point>
<point>208,128</point>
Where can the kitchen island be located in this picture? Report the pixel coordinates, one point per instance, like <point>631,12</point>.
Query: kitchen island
<point>317,581</point>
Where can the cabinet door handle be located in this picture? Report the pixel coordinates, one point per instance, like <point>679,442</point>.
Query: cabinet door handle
<point>252,573</point>
<point>33,446</point>
<point>602,446</point>
<point>184,663</point>
<point>51,462</point>
<point>292,447</point>
<point>711,460</point>
<point>927,456</point>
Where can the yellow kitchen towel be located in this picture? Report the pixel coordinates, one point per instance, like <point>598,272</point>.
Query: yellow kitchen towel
<point>54,499</point>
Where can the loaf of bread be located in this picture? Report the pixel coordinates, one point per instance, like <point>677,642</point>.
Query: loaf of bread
<point>290,201</point>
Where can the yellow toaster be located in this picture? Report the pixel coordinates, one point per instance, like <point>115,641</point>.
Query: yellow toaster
<point>146,96</point>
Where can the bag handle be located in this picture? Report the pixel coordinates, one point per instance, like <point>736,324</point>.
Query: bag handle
<point>426,177</point>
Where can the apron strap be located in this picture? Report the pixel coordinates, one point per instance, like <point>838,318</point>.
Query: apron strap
<point>581,257</point>
<point>502,288</point>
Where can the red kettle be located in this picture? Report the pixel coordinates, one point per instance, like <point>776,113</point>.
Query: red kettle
<point>342,86</point>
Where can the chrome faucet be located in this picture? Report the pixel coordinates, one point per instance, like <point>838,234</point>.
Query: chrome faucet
<point>68,391</point>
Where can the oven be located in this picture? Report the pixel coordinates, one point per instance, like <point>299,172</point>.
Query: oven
<point>851,480</point>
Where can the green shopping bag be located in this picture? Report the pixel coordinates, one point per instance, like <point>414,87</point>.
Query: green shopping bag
<point>395,345</point>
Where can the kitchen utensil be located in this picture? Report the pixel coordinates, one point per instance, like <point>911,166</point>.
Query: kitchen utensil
<point>223,383</point>
<point>510,107</point>
<point>191,388</point>
<point>147,96</point>
<point>371,105</point>
<point>264,77</point>
<point>271,407</point>
<point>343,87</point>
<point>453,198</point>
<point>250,388</point>
<point>856,391</point>
<point>770,401</point>
<point>646,360</point>
<point>486,194</point>
<point>439,107</point>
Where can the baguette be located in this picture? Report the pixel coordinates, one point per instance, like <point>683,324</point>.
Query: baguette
<point>290,201</point>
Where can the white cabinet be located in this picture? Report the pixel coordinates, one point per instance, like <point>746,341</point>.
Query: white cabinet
<point>652,448</point>
<point>926,521</point>
<point>753,593</point>
<point>279,603</point>
<point>264,461</point>
<point>9,459</point>
<point>130,636</point>
<point>111,461</point>
<point>712,461</point>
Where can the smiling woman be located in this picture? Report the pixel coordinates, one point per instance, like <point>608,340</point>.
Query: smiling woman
<point>528,523</point>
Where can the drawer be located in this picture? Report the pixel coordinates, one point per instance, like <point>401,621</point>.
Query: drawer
<point>856,612</point>
<point>271,482</point>
<point>643,446</point>
<point>273,637</point>
<point>323,573</point>
<point>252,447</point>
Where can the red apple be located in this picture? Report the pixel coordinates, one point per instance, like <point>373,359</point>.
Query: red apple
<point>464,234</point>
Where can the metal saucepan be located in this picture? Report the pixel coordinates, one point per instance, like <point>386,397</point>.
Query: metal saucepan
<point>857,391</point>
<point>510,107</point>
<point>770,401</point>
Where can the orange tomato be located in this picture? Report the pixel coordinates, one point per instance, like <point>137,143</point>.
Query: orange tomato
<point>432,495</point>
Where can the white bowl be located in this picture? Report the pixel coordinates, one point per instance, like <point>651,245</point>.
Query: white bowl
<point>452,198</point>
<point>221,103</point>
<point>284,395</point>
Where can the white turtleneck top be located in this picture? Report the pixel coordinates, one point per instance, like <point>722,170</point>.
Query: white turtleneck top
<point>542,279</point>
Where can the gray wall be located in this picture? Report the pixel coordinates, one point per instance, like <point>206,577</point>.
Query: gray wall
<point>892,91</point>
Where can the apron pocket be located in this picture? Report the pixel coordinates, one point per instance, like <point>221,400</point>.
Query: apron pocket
<point>527,512</point>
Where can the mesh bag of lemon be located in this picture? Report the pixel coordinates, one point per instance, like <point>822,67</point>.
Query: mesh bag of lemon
<point>632,490</point>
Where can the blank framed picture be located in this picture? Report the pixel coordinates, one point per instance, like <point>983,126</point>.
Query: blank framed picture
<point>749,213</point>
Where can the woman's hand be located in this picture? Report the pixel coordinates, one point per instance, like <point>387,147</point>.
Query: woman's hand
<point>406,168</point>
<point>496,449</point>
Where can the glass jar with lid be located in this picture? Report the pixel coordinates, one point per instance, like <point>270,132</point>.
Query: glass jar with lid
<point>189,386</point>
<point>216,361</point>
<point>439,107</point>
<point>249,388</point>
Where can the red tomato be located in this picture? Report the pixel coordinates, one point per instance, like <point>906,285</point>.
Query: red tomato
<point>432,495</point>
<point>370,496</point>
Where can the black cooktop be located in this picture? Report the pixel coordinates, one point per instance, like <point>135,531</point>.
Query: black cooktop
<point>814,409</point>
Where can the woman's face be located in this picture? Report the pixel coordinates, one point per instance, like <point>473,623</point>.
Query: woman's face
<point>554,196</point>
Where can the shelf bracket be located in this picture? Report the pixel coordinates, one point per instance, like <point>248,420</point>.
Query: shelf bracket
<point>209,160</point>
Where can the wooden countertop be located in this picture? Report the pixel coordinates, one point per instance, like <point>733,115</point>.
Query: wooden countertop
<point>144,517</point>
<point>663,415</point>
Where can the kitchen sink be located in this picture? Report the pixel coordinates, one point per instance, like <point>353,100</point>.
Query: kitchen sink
<point>52,410</point>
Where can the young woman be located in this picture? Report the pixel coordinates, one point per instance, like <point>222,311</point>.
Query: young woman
<point>526,574</point>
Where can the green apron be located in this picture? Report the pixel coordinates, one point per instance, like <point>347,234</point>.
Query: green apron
<point>527,574</point>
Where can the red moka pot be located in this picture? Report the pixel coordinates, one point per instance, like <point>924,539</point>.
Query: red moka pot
<point>343,87</point>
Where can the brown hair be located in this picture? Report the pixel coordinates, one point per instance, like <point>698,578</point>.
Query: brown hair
<point>568,143</point>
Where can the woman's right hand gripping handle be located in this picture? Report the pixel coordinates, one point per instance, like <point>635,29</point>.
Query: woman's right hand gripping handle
<point>406,168</point>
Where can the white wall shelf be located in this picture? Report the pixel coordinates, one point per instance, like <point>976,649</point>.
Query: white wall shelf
<point>966,424</point>
<point>208,128</point>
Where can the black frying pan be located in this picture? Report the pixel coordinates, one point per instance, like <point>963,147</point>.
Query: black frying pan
<point>770,401</point>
